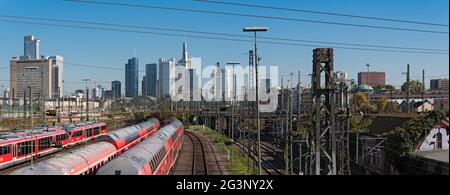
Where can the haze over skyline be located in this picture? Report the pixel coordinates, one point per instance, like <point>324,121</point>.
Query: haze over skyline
<point>113,48</point>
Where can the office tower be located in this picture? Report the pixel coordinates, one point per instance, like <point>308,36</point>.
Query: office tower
<point>116,88</point>
<point>57,63</point>
<point>132,77</point>
<point>372,79</point>
<point>439,84</point>
<point>166,76</point>
<point>44,75</point>
<point>36,74</point>
<point>31,48</point>
<point>151,79</point>
<point>144,86</point>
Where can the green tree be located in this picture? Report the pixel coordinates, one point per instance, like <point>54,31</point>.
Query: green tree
<point>415,87</point>
<point>390,88</point>
<point>361,99</point>
<point>378,87</point>
<point>382,104</point>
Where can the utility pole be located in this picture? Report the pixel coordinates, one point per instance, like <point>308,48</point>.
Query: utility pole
<point>59,105</point>
<point>323,133</point>
<point>286,134</point>
<point>24,97</point>
<point>254,30</point>
<point>423,90</point>
<point>233,99</point>
<point>87,99</point>
<point>290,115</point>
<point>407,90</point>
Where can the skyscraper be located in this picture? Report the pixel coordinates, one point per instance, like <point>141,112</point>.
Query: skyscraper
<point>132,77</point>
<point>195,79</point>
<point>57,63</point>
<point>43,75</point>
<point>31,48</point>
<point>116,88</point>
<point>144,86</point>
<point>36,74</point>
<point>151,78</point>
<point>165,76</point>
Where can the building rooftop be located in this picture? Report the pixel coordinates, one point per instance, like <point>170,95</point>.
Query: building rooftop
<point>364,88</point>
<point>437,155</point>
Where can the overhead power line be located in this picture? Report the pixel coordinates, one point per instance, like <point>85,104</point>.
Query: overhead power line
<point>217,38</point>
<point>259,16</point>
<point>322,13</point>
<point>218,33</point>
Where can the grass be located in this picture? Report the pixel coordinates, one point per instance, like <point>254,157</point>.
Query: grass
<point>238,161</point>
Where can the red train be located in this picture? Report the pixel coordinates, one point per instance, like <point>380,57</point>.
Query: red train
<point>89,159</point>
<point>19,146</point>
<point>153,156</point>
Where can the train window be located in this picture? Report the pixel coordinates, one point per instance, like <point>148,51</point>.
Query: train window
<point>5,150</point>
<point>152,165</point>
<point>44,143</point>
<point>77,133</point>
<point>61,137</point>
<point>88,132</point>
<point>96,130</point>
<point>25,148</point>
<point>104,128</point>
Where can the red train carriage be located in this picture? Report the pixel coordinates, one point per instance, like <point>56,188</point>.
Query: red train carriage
<point>153,156</point>
<point>18,146</point>
<point>89,159</point>
<point>82,161</point>
<point>127,137</point>
<point>84,131</point>
<point>15,149</point>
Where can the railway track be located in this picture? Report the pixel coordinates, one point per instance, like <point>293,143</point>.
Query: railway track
<point>267,163</point>
<point>199,163</point>
<point>197,157</point>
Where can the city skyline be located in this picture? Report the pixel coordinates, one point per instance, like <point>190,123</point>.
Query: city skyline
<point>149,48</point>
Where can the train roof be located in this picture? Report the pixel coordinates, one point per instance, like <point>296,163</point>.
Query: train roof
<point>73,126</point>
<point>131,162</point>
<point>7,137</point>
<point>70,163</point>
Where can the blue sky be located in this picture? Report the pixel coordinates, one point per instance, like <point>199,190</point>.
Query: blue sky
<point>107,48</point>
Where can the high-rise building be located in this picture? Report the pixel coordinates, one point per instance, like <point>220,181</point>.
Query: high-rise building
<point>372,79</point>
<point>43,74</point>
<point>166,77</point>
<point>57,76</point>
<point>116,88</point>
<point>151,79</point>
<point>31,48</point>
<point>36,74</point>
<point>439,84</point>
<point>97,92</point>
<point>108,94</point>
<point>195,79</point>
<point>144,86</point>
<point>132,77</point>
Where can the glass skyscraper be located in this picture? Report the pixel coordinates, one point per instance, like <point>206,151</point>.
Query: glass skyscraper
<point>132,77</point>
<point>165,76</point>
<point>151,78</point>
<point>116,89</point>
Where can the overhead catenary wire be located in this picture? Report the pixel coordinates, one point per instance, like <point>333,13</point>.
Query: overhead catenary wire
<point>259,16</point>
<point>322,13</point>
<point>216,33</point>
<point>216,38</point>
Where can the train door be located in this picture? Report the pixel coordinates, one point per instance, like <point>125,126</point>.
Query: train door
<point>14,153</point>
